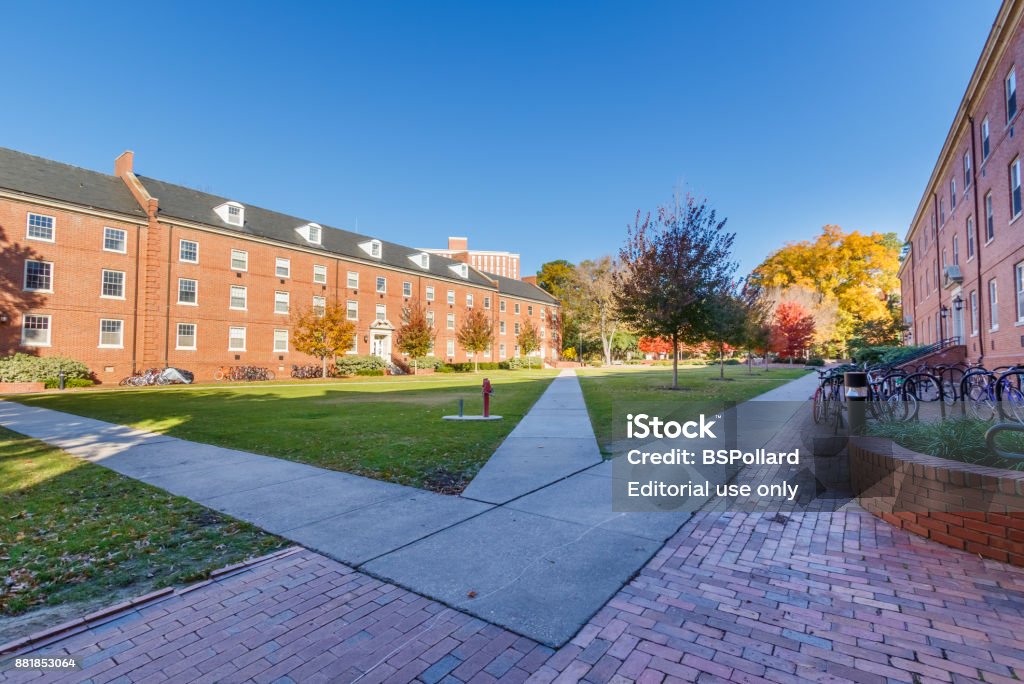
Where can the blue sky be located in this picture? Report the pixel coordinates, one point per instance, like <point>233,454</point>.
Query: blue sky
<point>534,127</point>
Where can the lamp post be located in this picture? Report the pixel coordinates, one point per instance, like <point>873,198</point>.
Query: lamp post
<point>943,313</point>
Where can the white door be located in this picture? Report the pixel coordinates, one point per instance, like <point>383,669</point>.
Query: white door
<point>381,346</point>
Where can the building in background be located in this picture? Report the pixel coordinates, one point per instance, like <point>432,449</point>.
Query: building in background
<point>127,272</point>
<point>504,264</point>
<point>962,277</point>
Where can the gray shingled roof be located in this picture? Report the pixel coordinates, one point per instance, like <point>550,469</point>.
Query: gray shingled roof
<point>521,288</point>
<point>31,175</point>
<point>179,202</point>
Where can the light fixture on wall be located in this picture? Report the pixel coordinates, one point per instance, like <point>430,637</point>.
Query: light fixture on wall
<point>943,310</point>
<point>3,318</point>
<point>366,338</point>
<point>958,303</point>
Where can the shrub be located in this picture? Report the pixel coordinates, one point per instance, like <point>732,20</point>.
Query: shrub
<point>815,362</point>
<point>887,355</point>
<point>427,362</point>
<point>351,365</point>
<point>370,371</point>
<point>54,383</point>
<point>25,368</point>
<point>521,362</point>
<point>956,439</point>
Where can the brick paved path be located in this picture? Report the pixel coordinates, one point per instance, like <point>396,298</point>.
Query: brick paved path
<point>823,597</point>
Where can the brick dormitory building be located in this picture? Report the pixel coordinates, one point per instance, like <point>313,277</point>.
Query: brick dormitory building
<point>962,275</point>
<point>126,272</point>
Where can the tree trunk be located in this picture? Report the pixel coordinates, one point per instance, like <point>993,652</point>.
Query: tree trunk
<point>323,367</point>
<point>675,361</point>
<point>476,364</point>
<point>721,361</point>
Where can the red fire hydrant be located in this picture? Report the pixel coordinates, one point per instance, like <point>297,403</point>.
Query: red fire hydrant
<point>488,391</point>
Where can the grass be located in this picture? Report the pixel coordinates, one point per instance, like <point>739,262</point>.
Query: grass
<point>73,531</point>
<point>956,439</point>
<point>388,428</point>
<point>603,386</point>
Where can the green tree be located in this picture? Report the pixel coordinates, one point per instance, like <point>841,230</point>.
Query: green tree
<point>596,307</point>
<point>476,334</point>
<point>415,337</point>
<point>726,322</point>
<point>673,263</point>
<point>528,340</point>
<point>323,332</point>
<point>561,280</point>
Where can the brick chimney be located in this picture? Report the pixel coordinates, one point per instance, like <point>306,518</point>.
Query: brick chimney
<point>124,169</point>
<point>458,244</point>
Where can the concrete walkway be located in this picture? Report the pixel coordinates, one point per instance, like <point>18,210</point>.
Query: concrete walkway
<point>539,559</point>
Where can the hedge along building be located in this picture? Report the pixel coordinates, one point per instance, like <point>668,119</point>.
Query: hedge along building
<point>962,276</point>
<point>126,272</point>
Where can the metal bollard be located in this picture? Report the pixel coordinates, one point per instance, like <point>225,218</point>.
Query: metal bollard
<point>856,384</point>
<point>460,408</point>
<point>60,379</point>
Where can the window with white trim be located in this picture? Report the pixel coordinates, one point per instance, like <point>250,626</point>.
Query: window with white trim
<point>314,233</point>
<point>282,302</point>
<point>35,330</point>
<point>501,350</point>
<point>236,339</point>
<point>984,139</point>
<point>990,224</point>
<point>501,306</point>
<point>239,260</point>
<point>319,305</point>
<point>967,170</point>
<point>188,291</point>
<point>186,337</point>
<point>352,280</point>
<point>517,308</point>
<point>1011,94</point>
<point>974,312</point>
<point>451,296</point>
<point>280,340</point>
<point>430,319</point>
<point>487,302</point>
<point>450,321</point>
<point>450,347</point>
<point>1018,272</point>
<point>115,240</point>
<point>113,284</point>
<point>352,310</point>
<point>407,289</point>
<point>501,327</point>
<point>235,215</point>
<point>382,284</point>
<point>283,267</point>
<point>430,293</point>
<point>39,276</point>
<point>320,274</point>
<point>40,227</point>
<point>993,305</point>
<point>970,238</point>
<point>469,300</point>
<point>111,333</point>
<point>529,310</point>
<point>188,251</point>
<point>956,250</point>
<point>1015,198</point>
<point>239,297</point>
<point>381,313</point>
<point>952,194</point>
<point>516,328</point>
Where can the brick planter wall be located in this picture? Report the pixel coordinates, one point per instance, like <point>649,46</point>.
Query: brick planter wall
<point>972,508</point>
<point>21,387</point>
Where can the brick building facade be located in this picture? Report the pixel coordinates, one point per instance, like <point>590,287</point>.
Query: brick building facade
<point>126,272</point>
<point>962,275</point>
<point>500,263</point>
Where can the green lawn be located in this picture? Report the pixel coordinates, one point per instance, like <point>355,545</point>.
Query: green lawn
<point>387,428</point>
<point>602,386</point>
<point>73,531</point>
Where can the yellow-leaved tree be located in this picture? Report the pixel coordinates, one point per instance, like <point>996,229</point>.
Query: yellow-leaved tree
<point>852,273</point>
<point>323,332</point>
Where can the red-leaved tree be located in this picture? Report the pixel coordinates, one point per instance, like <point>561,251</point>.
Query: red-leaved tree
<point>792,330</point>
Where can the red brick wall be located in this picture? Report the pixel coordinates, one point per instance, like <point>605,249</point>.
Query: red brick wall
<point>972,508</point>
<point>150,310</point>
<point>21,387</point>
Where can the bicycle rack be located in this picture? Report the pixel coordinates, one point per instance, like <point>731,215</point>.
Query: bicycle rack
<point>990,440</point>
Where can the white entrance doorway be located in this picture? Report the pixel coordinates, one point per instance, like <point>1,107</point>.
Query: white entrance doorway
<point>380,344</point>
<point>958,318</point>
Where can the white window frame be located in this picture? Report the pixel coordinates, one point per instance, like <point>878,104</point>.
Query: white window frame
<point>352,280</point>
<point>195,291</point>
<point>243,258</point>
<point>501,306</point>
<point>956,250</point>
<point>430,318</point>
<point>29,227</point>
<point>319,274</point>
<point>120,332</point>
<point>1010,94</point>
<point>286,299</point>
<point>516,308</point>
<point>952,194</point>
<point>469,300</point>
<point>282,264</point>
<point>406,288</point>
<point>985,141</point>
<point>449,348</point>
<point>277,335</point>
<point>25,286</point>
<point>449,321</point>
<point>967,170</point>
<point>1018,275</point>
<point>352,310</point>
<point>501,350</point>
<point>181,251</point>
<point>107,231</point>
<point>380,312</point>
<point>501,327</point>
<point>451,297</point>
<point>49,330</point>
<point>320,302</point>
<point>381,284</point>
<point>487,303</point>
<point>993,305</point>
<point>430,293</point>
<point>103,283</point>
<point>178,335</point>
<point>245,298</point>
<point>970,238</point>
<point>232,338</point>
<point>975,319</point>
<point>990,219</point>
<point>1015,186</point>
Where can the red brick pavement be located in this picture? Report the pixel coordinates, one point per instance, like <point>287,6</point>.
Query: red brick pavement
<point>821,597</point>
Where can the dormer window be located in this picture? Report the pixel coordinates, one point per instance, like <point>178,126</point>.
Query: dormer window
<point>422,260</point>
<point>311,233</point>
<point>461,270</point>
<point>372,247</point>
<point>231,212</point>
